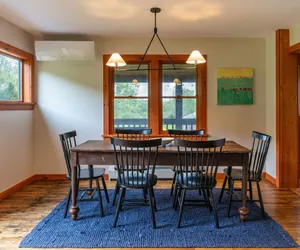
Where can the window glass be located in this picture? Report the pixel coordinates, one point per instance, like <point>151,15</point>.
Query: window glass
<point>10,78</point>
<point>179,98</point>
<point>184,76</point>
<point>131,98</point>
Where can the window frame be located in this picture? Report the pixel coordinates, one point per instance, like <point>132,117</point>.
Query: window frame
<point>155,109</point>
<point>26,101</point>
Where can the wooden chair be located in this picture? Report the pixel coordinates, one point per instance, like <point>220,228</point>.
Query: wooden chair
<point>133,133</point>
<point>198,163</point>
<point>130,134</point>
<point>185,135</point>
<point>68,141</point>
<point>260,147</point>
<point>136,161</point>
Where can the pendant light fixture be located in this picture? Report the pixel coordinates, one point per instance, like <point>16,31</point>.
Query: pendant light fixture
<point>117,61</point>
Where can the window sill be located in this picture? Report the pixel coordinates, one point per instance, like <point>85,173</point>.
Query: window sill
<point>15,105</point>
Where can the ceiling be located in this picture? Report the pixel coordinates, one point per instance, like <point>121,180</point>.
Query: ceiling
<point>131,18</point>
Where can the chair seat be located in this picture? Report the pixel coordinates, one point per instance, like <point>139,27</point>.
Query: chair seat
<point>196,180</point>
<point>84,174</point>
<point>137,180</point>
<point>237,174</point>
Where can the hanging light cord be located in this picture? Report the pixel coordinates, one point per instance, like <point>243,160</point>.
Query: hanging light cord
<point>156,34</point>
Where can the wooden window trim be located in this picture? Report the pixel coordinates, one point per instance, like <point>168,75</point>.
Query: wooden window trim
<point>154,99</point>
<point>27,97</point>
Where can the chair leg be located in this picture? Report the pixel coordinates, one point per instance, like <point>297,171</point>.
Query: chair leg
<point>223,188</point>
<point>145,195</point>
<point>152,205</point>
<point>206,198</point>
<point>100,198</point>
<point>177,198</point>
<point>175,195</point>
<point>154,200</point>
<point>105,188</point>
<point>119,206</point>
<point>250,190</point>
<point>181,207</point>
<point>230,197</point>
<point>173,183</point>
<point>262,208</point>
<point>214,207</point>
<point>117,190</point>
<point>68,201</point>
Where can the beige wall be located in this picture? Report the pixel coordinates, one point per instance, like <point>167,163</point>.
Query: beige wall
<point>16,136</point>
<point>70,94</point>
<point>271,102</point>
<point>295,35</point>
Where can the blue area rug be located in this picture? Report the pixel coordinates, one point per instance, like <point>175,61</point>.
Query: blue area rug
<point>135,227</point>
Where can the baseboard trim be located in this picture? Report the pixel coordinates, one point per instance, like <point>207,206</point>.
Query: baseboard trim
<point>52,177</point>
<point>36,177</point>
<point>16,187</point>
<point>61,177</point>
<point>269,178</point>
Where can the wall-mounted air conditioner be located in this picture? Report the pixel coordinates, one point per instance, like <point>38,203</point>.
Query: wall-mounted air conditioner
<point>65,50</point>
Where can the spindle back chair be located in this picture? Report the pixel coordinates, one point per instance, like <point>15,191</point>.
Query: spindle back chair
<point>198,163</point>
<point>260,147</point>
<point>136,162</point>
<point>68,141</point>
<point>133,133</point>
<point>185,135</point>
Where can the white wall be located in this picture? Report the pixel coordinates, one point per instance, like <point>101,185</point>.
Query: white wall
<point>70,94</point>
<point>271,102</point>
<point>16,136</point>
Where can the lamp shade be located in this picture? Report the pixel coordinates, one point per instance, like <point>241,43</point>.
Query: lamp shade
<point>115,60</point>
<point>195,58</point>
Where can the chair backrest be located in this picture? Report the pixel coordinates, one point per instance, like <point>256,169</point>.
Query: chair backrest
<point>133,133</point>
<point>135,160</point>
<point>187,134</point>
<point>68,141</point>
<point>260,148</point>
<point>198,161</point>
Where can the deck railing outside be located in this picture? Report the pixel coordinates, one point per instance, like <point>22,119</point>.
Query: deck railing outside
<point>186,124</point>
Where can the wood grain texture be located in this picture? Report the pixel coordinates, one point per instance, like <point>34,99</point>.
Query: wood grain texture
<point>16,187</point>
<point>37,177</point>
<point>282,204</point>
<point>286,113</point>
<point>294,49</point>
<point>106,146</point>
<point>269,178</point>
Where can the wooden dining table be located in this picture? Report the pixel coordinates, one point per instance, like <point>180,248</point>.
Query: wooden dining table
<point>101,152</point>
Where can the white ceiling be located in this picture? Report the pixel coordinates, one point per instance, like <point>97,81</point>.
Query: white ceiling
<point>131,18</point>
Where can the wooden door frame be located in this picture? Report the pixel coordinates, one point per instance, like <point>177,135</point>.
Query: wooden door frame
<point>287,148</point>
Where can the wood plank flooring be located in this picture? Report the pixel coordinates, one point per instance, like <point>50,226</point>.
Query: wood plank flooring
<point>20,212</point>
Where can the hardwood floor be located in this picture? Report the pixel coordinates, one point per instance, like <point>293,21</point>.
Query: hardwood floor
<point>20,212</point>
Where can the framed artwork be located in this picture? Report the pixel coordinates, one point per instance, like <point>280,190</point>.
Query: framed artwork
<point>235,86</point>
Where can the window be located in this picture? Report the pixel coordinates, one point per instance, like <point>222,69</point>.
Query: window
<point>16,78</point>
<point>131,98</point>
<point>159,99</point>
<point>179,97</point>
<point>10,78</point>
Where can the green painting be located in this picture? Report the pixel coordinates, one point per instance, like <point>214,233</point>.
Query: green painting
<point>235,86</point>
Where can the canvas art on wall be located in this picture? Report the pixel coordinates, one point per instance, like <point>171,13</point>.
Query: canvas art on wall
<point>235,86</point>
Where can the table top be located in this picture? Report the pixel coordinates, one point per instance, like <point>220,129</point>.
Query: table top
<point>104,146</point>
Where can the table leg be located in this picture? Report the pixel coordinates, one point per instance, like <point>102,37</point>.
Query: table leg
<point>243,211</point>
<point>74,208</point>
